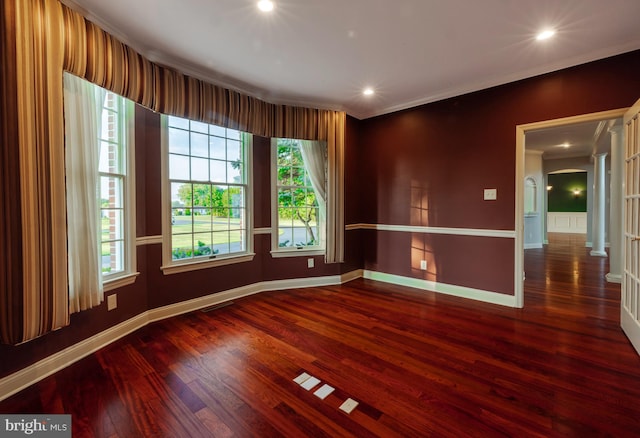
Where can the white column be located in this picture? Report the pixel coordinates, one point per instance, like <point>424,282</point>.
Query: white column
<point>615,213</point>
<point>599,198</point>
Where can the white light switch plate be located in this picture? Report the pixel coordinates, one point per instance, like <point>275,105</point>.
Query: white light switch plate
<point>310,263</point>
<point>112,301</point>
<point>490,194</point>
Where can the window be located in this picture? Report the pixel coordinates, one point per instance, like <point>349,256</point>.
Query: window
<point>113,169</point>
<point>530,195</point>
<point>299,207</point>
<point>99,151</point>
<point>207,194</point>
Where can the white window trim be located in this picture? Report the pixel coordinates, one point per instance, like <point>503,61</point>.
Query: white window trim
<point>120,281</point>
<point>276,251</point>
<point>282,253</point>
<point>170,266</point>
<point>129,273</point>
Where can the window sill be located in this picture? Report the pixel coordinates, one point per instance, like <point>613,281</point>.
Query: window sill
<point>177,268</point>
<point>116,283</point>
<point>281,253</point>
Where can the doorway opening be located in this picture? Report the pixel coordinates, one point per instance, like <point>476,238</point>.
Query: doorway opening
<point>558,146</point>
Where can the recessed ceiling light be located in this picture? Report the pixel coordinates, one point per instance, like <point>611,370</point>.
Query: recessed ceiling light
<point>265,5</point>
<point>545,35</point>
<point>368,91</point>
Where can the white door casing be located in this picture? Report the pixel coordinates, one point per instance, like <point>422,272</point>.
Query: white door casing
<point>521,130</point>
<point>630,292</point>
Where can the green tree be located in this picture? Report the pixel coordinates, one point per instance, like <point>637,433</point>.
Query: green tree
<point>219,199</point>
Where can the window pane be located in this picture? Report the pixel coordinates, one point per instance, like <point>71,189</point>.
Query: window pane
<point>284,197</point>
<point>311,198</point>
<point>111,192</point>
<point>202,220</point>
<point>218,170</point>
<point>178,122</point>
<point>284,156</point>
<point>297,176</point>
<point>236,197</point>
<point>111,159</point>
<point>203,245</point>
<point>220,219</point>
<point>199,145</point>
<point>284,175</point>
<point>217,130</point>
<point>178,141</point>
<point>111,224</point>
<point>202,195</point>
<point>199,127</point>
<point>217,148</point>
<point>233,134</point>
<point>109,126</point>
<point>236,242</point>
<point>234,172</point>
<point>285,237</point>
<point>181,195</point>
<point>221,242</point>
<point>112,257</point>
<point>181,246</point>
<point>178,167</point>
<point>199,169</point>
<point>236,216</point>
<point>182,221</point>
<point>233,150</point>
<point>110,100</point>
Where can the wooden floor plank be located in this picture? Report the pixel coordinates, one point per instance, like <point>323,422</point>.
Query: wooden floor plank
<point>419,363</point>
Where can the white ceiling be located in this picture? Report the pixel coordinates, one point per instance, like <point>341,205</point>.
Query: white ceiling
<point>573,140</point>
<point>323,53</point>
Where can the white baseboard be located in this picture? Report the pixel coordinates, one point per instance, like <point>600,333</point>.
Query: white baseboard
<point>353,275</point>
<point>448,289</point>
<point>26,377</point>
<point>532,245</point>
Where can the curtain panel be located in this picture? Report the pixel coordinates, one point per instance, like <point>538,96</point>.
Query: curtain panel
<point>43,38</point>
<point>83,104</point>
<point>11,305</point>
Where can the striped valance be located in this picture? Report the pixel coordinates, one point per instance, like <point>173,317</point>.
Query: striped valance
<point>97,56</point>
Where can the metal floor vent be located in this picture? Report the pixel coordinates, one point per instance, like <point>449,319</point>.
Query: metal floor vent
<point>216,306</point>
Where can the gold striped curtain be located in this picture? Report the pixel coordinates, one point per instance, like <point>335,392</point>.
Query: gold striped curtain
<point>35,89</point>
<point>41,39</point>
<point>10,219</point>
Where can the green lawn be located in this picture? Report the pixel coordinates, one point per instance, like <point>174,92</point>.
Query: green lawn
<point>203,228</point>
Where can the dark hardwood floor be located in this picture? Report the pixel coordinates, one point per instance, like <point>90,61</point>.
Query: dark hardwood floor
<point>419,364</point>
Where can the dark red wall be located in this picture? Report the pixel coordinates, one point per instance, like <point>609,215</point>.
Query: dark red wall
<point>429,165</point>
<point>423,166</point>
